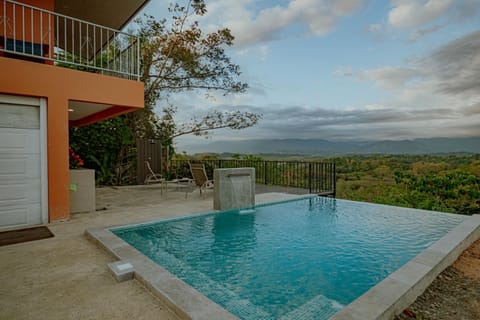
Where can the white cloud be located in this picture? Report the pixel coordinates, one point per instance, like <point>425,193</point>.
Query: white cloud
<point>260,51</point>
<point>344,71</point>
<point>318,17</point>
<point>417,34</point>
<point>446,78</point>
<point>437,95</point>
<point>375,28</point>
<point>413,13</point>
<point>375,107</point>
<point>390,78</point>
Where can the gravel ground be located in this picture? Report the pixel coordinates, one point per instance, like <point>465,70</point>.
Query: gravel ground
<point>455,294</point>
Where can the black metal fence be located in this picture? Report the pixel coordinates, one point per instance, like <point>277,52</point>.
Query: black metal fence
<point>316,177</point>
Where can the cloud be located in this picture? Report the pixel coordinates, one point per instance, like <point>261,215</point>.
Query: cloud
<point>417,16</point>
<point>390,78</point>
<point>413,13</point>
<point>260,51</point>
<point>365,124</point>
<point>465,9</point>
<point>251,25</point>
<point>436,95</point>
<point>417,34</point>
<point>344,72</point>
<point>455,66</point>
<point>452,70</point>
<point>377,30</point>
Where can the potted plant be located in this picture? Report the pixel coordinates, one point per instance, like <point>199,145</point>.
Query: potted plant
<point>82,185</point>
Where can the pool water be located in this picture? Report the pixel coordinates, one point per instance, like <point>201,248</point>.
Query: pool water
<point>302,259</point>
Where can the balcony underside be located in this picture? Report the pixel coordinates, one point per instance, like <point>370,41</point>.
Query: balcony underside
<point>91,97</point>
<point>109,13</point>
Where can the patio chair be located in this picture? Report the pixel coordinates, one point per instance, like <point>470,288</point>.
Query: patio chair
<point>152,177</point>
<point>200,177</point>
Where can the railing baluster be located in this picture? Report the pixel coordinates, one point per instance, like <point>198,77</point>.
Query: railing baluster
<point>73,42</point>
<point>57,26</point>
<point>23,29</point>
<point>5,34</point>
<point>94,46</point>
<point>80,46</point>
<point>88,44</point>
<point>101,51</point>
<point>50,36</point>
<point>41,34</point>
<point>65,39</point>
<point>14,30</point>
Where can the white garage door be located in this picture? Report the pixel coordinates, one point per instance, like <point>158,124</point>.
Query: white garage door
<point>21,162</point>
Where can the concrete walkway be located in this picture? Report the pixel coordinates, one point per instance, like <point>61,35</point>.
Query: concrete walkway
<point>66,277</point>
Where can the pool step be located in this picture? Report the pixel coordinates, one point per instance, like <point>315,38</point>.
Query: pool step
<point>319,307</point>
<point>215,291</point>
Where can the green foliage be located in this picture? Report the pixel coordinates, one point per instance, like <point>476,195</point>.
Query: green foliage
<point>176,56</point>
<point>103,147</point>
<point>449,183</point>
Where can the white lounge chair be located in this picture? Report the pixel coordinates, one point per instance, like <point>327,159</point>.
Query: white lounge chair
<point>152,177</point>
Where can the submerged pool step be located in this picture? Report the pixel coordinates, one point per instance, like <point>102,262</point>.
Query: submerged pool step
<point>319,307</point>
<point>242,308</point>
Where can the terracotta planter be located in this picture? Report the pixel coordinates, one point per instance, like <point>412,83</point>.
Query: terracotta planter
<point>82,190</point>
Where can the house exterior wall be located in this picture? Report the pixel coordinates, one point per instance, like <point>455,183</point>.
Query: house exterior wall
<point>59,85</point>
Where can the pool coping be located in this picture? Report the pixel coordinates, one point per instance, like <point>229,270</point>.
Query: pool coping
<point>400,289</point>
<point>183,300</point>
<point>388,298</point>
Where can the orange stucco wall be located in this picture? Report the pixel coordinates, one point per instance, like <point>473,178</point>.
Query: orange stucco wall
<point>59,85</point>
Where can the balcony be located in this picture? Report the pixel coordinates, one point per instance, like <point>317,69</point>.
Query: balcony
<point>41,35</point>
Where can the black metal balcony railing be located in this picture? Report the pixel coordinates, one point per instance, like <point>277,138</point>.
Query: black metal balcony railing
<point>316,177</point>
<point>41,34</point>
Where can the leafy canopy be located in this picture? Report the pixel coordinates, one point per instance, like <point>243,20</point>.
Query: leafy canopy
<point>177,56</point>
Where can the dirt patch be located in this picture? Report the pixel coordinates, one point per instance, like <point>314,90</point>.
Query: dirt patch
<point>455,294</point>
<point>469,262</point>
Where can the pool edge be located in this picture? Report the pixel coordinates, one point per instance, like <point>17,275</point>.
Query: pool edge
<point>399,290</point>
<point>391,296</point>
<point>180,298</point>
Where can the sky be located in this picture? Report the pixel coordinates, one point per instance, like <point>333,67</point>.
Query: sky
<point>346,69</point>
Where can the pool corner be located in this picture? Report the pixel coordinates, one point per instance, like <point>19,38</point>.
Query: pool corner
<point>395,293</point>
<point>184,301</point>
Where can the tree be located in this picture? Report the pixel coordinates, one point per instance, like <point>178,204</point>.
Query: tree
<point>167,129</point>
<point>106,146</point>
<point>178,56</point>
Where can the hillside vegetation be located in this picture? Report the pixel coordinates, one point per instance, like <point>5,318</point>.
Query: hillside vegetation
<point>448,183</point>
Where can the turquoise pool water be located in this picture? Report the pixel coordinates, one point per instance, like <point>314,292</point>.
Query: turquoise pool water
<point>302,259</point>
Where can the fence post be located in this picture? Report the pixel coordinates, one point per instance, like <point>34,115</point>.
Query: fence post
<point>309,178</point>
<point>334,180</point>
<point>265,172</point>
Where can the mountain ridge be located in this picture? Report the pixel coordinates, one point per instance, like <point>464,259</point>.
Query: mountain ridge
<point>322,147</point>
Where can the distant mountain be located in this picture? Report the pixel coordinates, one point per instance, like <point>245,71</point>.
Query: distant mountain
<point>318,147</point>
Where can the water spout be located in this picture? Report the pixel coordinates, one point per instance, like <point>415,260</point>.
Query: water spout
<point>234,188</point>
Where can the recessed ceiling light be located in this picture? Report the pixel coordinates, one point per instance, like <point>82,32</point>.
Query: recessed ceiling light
<point>70,110</point>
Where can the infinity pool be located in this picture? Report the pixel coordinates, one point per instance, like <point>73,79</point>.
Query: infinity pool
<point>301,259</point>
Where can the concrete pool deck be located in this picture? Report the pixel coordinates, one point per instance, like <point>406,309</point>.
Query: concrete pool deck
<point>66,277</point>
